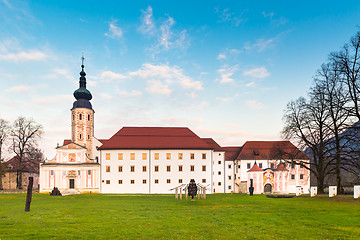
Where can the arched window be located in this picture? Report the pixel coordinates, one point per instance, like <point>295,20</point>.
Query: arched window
<point>80,116</point>
<point>80,136</point>
<point>88,137</point>
<point>88,117</point>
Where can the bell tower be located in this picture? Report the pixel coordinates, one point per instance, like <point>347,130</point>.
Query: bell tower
<point>82,116</point>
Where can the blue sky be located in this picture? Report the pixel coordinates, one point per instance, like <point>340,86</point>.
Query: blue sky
<point>226,69</point>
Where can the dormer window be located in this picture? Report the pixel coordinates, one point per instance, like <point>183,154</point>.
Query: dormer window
<point>80,116</point>
<point>256,152</point>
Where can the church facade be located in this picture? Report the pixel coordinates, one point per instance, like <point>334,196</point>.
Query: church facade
<point>157,159</point>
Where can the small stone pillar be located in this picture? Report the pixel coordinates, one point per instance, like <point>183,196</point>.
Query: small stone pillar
<point>299,190</point>
<point>186,193</point>
<point>180,193</point>
<point>176,193</point>
<point>313,191</point>
<point>357,191</point>
<point>332,191</point>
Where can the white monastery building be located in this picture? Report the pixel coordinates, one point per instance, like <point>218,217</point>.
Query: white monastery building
<point>157,159</point>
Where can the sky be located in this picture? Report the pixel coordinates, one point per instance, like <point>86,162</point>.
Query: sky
<point>225,69</point>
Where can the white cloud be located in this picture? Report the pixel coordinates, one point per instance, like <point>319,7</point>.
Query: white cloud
<point>114,31</point>
<point>54,99</point>
<point>254,104</point>
<point>226,73</point>
<point>19,88</point>
<point>31,55</point>
<point>221,56</point>
<point>163,75</point>
<point>166,33</point>
<point>226,16</point>
<point>260,44</point>
<point>109,76</point>
<point>273,21</point>
<point>147,22</point>
<point>157,87</point>
<point>57,73</point>
<point>260,72</point>
<point>223,99</point>
<point>132,93</point>
<point>250,84</point>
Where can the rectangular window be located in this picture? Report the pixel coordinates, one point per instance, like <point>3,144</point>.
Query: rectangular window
<point>156,181</point>
<point>239,166</point>
<point>229,177</point>
<point>132,156</point>
<point>144,168</point>
<point>180,168</point>
<point>180,181</point>
<point>248,165</point>
<point>219,183</point>
<point>144,156</point>
<point>107,168</point>
<point>168,168</point>
<point>156,168</point>
<point>301,176</point>
<point>180,155</point>
<point>107,156</point>
<point>204,180</point>
<point>229,187</point>
<point>292,176</point>
<point>79,172</point>
<point>168,180</point>
<point>260,165</point>
<point>132,168</point>
<point>219,162</point>
<point>292,164</point>
<point>107,181</point>
<point>144,181</point>
<point>132,181</point>
<point>204,168</point>
<point>52,172</point>
<point>156,156</point>
<point>89,172</point>
<point>203,156</point>
<point>219,172</point>
<point>120,168</point>
<point>168,156</point>
<point>120,156</point>
<point>120,181</point>
<point>192,156</point>
<point>272,165</point>
<point>192,168</point>
<point>64,173</point>
<point>229,166</point>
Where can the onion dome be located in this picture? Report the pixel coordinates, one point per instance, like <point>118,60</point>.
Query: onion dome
<point>81,94</point>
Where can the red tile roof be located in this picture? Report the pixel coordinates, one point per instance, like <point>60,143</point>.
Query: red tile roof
<point>231,153</point>
<point>155,138</point>
<point>267,150</point>
<point>255,168</point>
<point>214,144</point>
<point>27,165</point>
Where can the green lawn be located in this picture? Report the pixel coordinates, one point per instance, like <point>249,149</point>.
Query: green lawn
<point>220,216</point>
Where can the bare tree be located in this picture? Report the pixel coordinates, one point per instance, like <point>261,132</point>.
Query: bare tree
<point>348,61</point>
<point>25,134</point>
<point>305,124</point>
<point>4,131</point>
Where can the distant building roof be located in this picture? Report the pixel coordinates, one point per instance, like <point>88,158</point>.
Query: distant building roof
<point>255,168</point>
<point>26,165</point>
<point>267,150</point>
<point>214,144</point>
<point>231,153</point>
<point>155,138</point>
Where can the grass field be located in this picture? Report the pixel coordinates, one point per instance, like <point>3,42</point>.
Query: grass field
<point>220,216</point>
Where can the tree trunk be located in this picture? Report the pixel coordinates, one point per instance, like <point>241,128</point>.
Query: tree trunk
<point>19,180</point>
<point>320,183</point>
<point>1,182</point>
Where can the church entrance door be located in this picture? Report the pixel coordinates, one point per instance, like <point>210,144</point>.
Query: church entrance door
<point>268,188</point>
<point>71,183</point>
